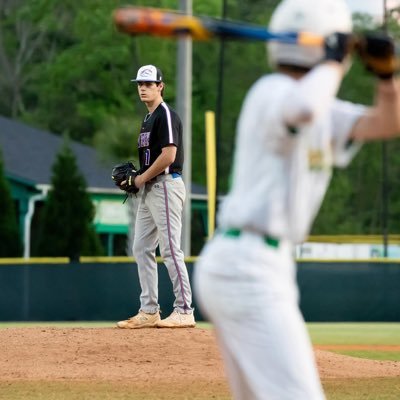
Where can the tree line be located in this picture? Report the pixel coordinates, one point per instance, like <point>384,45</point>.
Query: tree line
<point>65,68</point>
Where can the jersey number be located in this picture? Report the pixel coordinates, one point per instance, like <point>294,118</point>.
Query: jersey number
<point>147,157</point>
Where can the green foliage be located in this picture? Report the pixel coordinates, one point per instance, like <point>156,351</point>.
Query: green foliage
<point>243,64</point>
<point>10,241</point>
<point>362,22</point>
<point>354,201</point>
<point>117,138</point>
<point>86,79</point>
<point>73,76</point>
<point>66,223</point>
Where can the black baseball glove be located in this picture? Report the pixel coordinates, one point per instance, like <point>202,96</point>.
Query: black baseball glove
<point>124,175</point>
<point>378,53</point>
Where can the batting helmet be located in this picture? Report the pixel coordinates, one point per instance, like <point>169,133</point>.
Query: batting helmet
<point>321,17</point>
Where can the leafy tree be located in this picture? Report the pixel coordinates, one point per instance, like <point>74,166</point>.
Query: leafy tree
<point>66,224</point>
<point>89,78</point>
<point>66,69</point>
<point>10,241</point>
<point>116,141</point>
<point>26,40</point>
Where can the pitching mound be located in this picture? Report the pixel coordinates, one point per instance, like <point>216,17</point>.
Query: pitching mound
<point>146,356</point>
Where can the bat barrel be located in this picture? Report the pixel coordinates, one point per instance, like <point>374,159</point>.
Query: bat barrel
<point>142,20</point>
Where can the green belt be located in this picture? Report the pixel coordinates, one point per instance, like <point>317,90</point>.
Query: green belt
<point>268,240</point>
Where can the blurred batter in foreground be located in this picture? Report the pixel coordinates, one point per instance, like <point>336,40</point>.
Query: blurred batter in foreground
<point>291,132</point>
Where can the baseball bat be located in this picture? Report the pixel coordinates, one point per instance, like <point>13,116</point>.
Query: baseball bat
<point>167,23</point>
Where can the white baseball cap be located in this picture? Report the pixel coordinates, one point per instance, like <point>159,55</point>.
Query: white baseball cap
<point>148,73</point>
<point>321,17</point>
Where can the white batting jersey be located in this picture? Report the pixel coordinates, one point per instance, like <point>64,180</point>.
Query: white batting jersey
<point>281,175</point>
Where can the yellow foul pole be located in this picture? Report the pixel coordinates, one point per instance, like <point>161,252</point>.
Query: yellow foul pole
<point>211,170</point>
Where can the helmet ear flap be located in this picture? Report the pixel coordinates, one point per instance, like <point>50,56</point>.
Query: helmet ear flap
<point>322,17</point>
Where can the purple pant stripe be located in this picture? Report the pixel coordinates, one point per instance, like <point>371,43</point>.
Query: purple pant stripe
<point>172,247</point>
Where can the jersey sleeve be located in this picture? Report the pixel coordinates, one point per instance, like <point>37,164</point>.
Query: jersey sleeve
<point>169,126</point>
<point>261,113</point>
<point>311,96</point>
<point>343,118</point>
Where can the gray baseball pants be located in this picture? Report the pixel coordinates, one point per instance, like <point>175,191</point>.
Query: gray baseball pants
<point>159,222</point>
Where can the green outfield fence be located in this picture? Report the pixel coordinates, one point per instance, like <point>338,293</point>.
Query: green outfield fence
<point>107,289</point>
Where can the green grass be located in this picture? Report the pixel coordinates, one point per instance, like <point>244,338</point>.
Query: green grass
<point>343,389</point>
<point>363,389</point>
<point>25,390</point>
<point>371,354</point>
<point>358,334</point>
<point>355,333</point>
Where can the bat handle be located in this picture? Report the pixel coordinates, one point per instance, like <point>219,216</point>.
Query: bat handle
<point>309,39</point>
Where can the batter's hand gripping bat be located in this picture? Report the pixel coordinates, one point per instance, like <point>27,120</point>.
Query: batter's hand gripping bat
<point>158,22</point>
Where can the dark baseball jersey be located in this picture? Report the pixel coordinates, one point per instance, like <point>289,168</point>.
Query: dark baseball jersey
<point>161,128</point>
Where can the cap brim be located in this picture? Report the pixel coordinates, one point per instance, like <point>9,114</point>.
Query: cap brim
<point>144,80</point>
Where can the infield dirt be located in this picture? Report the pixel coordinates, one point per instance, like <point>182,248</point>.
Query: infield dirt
<point>178,358</point>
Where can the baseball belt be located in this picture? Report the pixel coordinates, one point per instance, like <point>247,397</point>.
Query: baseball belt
<point>268,240</point>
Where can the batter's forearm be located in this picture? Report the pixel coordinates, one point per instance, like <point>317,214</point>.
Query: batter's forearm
<point>383,120</point>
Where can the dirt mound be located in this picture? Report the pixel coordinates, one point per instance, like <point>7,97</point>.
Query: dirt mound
<point>140,355</point>
<point>331,365</point>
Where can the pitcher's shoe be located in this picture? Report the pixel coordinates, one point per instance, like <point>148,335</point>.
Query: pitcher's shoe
<point>177,320</point>
<point>141,320</point>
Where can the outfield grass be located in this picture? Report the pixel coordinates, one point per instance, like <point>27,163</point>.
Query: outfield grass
<point>371,354</point>
<point>355,333</point>
<point>372,334</point>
